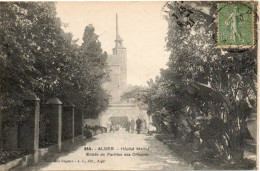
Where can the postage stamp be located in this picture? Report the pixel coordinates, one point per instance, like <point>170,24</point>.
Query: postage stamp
<point>235,25</point>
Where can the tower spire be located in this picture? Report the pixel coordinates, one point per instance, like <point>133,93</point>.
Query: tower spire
<point>117,34</point>
<point>118,38</point>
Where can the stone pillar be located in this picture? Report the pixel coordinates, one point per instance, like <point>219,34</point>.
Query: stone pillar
<point>82,123</point>
<point>36,130</point>
<point>73,124</point>
<point>59,126</point>
<point>54,115</point>
<point>28,130</point>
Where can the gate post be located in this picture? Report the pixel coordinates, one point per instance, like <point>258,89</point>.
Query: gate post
<point>29,130</point>
<point>73,124</point>
<point>36,130</point>
<point>55,117</point>
<point>60,125</point>
<point>82,123</point>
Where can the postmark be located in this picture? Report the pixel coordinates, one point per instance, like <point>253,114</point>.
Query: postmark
<point>235,25</point>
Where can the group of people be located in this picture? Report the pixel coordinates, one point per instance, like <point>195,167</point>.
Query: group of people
<point>139,124</point>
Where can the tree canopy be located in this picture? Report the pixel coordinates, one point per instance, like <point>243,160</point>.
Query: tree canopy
<point>37,58</point>
<point>203,86</point>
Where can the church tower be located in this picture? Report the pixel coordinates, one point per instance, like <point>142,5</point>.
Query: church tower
<point>116,86</point>
<point>118,70</point>
<point>120,52</point>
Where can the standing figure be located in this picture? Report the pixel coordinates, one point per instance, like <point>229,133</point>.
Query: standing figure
<point>138,125</point>
<point>132,125</point>
<point>144,126</point>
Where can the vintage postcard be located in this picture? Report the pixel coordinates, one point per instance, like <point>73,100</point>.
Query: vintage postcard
<point>129,85</point>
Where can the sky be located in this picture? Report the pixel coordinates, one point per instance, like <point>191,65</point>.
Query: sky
<point>141,25</point>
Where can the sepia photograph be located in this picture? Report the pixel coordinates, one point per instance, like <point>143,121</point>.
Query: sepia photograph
<point>129,85</point>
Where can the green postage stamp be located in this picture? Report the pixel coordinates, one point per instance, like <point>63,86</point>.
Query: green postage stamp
<point>235,25</point>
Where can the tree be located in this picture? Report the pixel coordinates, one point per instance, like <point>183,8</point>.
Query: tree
<point>94,71</point>
<point>19,58</point>
<point>202,82</point>
<point>37,58</point>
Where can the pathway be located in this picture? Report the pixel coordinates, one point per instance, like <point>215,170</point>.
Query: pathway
<point>120,151</point>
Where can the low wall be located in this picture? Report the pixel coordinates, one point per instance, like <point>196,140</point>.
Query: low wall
<point>18,163</point>
<point>44,153</point>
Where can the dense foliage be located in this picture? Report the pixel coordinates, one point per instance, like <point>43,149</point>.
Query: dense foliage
<point>206,95</point>
<point>37,58</point>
